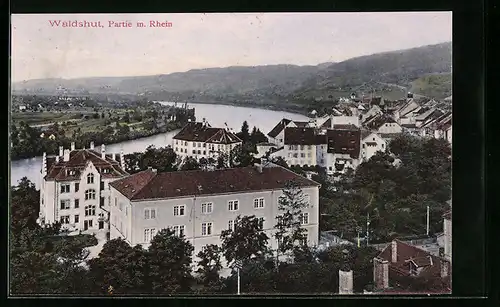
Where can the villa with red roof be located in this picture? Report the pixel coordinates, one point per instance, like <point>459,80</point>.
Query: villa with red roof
<point>74,188</point>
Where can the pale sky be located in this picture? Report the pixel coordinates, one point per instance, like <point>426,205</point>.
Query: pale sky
<point>40,50</point>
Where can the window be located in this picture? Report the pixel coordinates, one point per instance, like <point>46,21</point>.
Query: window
<point>206,229</point>
<point>206,208</point>
<point>90,178</point>
<point>77,187</point>
<point>199,152</point>
<point>120,206</point>
<point>204,145</point>
<point>179,230</point>
<point>290,147</point>
<point>101,202</point>
<point>77,203</point>
<point>185,143</point>
<point>90,194</point>
<point>77,219</point>
<point>90,223</point>
<point>149,234</point>
<point>230,225</point>
<point>90,210</point>
<point>149,214</point>
<point>301,147</point>
<point>258,203</point>
<point>101,225</point>
<point>179,210</point>
<point>176,149</point>
<point>261,223</point>
<point>65,188</point>
<point>233,205</point>
<point>382,145</point>
<point>204,152</point>
<point>302,155</point>
<point>102,185</point>
<point>304,218</point>
<point>65,204</point>
<point>194,152</point>
<point>65,219</point>
<point>295,155</point>
<point>126,211</point>
<point>116,201</point>
<point>176,142</point>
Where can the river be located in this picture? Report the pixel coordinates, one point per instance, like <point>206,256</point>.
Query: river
<point>216,115</point>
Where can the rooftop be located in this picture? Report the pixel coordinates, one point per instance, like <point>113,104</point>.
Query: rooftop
<point>279,127</point>
<point>149,184</point>
<point>203,132</point>
<point>78,160</point>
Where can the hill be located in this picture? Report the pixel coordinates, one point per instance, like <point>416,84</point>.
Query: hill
<point>379,72</point>
<point>433,85</point>
<point>390,74</point>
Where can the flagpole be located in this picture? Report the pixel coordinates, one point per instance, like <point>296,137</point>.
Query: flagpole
<point>427,220</point>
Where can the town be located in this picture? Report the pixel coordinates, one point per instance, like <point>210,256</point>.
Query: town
<point>230,156</point>
<point>212,187</point>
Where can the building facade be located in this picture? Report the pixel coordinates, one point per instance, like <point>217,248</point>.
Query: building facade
<point>201,204</point>
<point>371,144</point>
<point>200,140</point>
<point>74,188</point>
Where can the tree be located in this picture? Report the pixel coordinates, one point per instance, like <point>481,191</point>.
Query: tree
<point>209,267</point>
<point>120,266</point>
<point>241,156</point>
<point>246,241</point>
<point>162,159</point>
<point>244,134</point>
<point>288,229</point>
<point>126,117</point>
<point>190,164</point>
<point>170,262</point>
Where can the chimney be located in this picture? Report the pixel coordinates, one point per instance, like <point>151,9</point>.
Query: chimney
<point>66,155</point>
<point>394,251</point>
<point>445,268</point>
<point>91,145</point>
<point>380,273</point>
<point>61,151</point>
<point>113,156</point>
<point>103,151</point>
<point>122,160</point>
<point>72,146</point>
<point>345,282</point>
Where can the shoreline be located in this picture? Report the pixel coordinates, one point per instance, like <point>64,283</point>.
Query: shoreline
<point>277,108</point>
<point>107,143</point>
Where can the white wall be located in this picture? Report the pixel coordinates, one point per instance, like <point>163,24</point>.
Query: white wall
<point>368,151</point>
<point>390,128</point>
<point>300,155</point>
<point>220,216</point>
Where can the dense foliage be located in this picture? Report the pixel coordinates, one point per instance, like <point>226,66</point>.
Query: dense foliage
<point>27,141</point>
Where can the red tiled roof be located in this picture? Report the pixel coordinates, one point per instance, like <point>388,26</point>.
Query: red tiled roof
<point>224,137</point>
<point>279,127</point>
<point>203,132</point>
<point>151,185</point>
<point>344,142</point>
<point>303,136</point>
<point>327,124</point>
<point>406,253</point>
<point>300,124</point>
<point>345,127</point>
<point>78,160</point>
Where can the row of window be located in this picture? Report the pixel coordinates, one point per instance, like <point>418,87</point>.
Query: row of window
<point>66,205</point>
<point>302,147</point>
<point>296,155</point>
<point>66,188</point>
<point>65,220</point>
<point>207,227</point>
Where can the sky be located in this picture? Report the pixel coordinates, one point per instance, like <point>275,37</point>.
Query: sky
<point>40,49</point>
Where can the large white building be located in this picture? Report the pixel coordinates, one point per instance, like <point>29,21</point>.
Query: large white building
<point>371,143</point>
<point>201,204</point>
<point>74,188</point>
<point>200,140</point>
<point>335,149</point>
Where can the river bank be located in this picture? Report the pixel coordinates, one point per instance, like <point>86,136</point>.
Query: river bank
<point>295,109</point>
<point>216,115</point>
